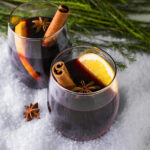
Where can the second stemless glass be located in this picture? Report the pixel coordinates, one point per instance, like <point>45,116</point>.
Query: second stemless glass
<point>83,116</point>
<point>30,59</point>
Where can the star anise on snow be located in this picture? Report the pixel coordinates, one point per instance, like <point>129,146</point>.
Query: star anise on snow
<point>41,23</point>
<point>31,112</point>
<point>86,88</point>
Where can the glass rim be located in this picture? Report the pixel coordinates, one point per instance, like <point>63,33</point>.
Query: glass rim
<point>33,39</point>
<point>91,93</point>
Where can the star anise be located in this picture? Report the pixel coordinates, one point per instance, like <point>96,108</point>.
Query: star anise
<point>31,112</point>
<point>41,23</point>
<point>86,88</point>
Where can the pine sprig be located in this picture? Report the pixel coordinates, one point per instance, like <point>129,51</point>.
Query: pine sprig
<point>107,18</point>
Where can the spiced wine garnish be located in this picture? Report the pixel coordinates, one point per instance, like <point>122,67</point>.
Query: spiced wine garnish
<point>41,23</point>
<point>32,112</point>
<point>62,75</point>
<point>56,24</point>
<point>86,88</point>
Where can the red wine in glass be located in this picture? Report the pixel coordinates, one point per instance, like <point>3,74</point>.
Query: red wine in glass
<point>37,58</point>
<point>82,116</point>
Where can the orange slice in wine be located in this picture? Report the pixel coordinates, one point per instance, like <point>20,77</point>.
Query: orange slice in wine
<point>14,19</point>
<point>21,29</point>
<point>97,67</point>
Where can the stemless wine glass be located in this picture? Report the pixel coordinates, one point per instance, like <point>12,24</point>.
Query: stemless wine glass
<point>30,59</point>
<point>82,116</point>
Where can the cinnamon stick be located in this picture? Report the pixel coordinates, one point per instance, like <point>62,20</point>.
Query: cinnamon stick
<point>62,75</point>
<point>56,24</point>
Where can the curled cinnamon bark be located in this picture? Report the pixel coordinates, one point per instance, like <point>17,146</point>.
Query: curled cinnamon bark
<point>56,24</point>
<point>62,76</point>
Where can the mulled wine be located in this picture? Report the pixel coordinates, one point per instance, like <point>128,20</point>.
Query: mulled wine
<point>30,57</point>
<point>86,111</point>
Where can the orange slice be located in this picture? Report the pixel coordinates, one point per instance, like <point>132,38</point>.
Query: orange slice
<point>97,67</point>
<point>29,68</point>
<point>15,19</point>
<point>21,29</point>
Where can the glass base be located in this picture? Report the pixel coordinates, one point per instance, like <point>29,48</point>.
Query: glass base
<point>82,132</point>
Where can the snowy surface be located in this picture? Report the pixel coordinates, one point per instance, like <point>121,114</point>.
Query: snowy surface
<point>130,131</point>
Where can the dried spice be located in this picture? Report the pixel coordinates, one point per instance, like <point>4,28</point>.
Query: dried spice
<point>41,23</point>
<point>31,112</point>
<point>62,75</point>
<point>86,88</point>
<point>56,24</point>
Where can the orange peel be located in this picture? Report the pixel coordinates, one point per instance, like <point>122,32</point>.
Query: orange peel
<point>97,67</point>
<point>21,29</point>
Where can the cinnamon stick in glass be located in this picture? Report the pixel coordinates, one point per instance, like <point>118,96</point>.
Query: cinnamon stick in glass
<point>62,75</point>
<point>56,24</point>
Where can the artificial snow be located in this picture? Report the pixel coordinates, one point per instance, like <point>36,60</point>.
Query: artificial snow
<point>130,130</point>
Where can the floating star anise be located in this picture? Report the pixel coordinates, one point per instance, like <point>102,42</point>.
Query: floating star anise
<point>41,23</point>
<point>86,88</point>
<point>31,112</point>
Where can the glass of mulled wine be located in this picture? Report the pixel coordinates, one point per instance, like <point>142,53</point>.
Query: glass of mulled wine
<point>86,110</point>
<point>30,56</point>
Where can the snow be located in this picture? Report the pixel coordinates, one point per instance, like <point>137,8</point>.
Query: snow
<point>130,131</point>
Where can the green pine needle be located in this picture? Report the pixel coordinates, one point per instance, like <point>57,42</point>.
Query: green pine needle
<point>100,17</point>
